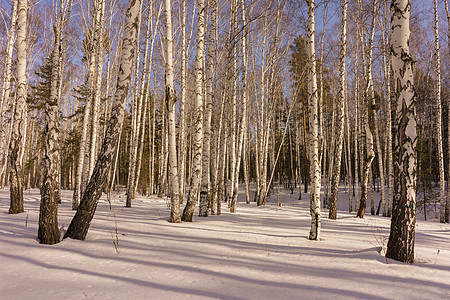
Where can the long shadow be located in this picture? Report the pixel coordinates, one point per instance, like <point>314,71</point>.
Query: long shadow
<point>297,287</point>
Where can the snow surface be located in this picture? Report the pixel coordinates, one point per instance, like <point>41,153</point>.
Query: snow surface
<point>256,253</point>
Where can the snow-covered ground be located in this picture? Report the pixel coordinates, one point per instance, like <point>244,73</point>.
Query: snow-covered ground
<point>256,253</point>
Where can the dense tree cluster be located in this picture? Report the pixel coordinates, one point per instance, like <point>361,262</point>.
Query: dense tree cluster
<point>188,99</point>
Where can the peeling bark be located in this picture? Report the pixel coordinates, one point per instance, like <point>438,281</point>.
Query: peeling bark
<point>79,226</point>
<point>402,235</point>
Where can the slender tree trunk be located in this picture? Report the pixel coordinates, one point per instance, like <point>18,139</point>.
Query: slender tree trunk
<point>19,114</point>
<point>402,236</point>
<point>135,124</point>
<point>369,153</point>
<point>79,226</point>
<point>81,176</point>
<point>182,122</point>
<point>232,70</point>
<point>205,193</point>
<point>356,131</point>
<point>447,206</point>
<point>243,127</point>
<point>340,116</point>
<point>97,92</point>
<point>314,233</point>
<point>218,177</point>
<point>387,72</point>
<point>144,95</point>
<point>6,91</point>
<point>349,158</point>
<point>170,102</point>
<point>198,111</point>
<point>439,115</point>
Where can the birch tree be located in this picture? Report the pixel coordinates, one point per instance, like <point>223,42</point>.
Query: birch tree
<point>402,234</point>
<point>366,132</point>
<point>340,107</point>
<point>48,232</point>
<point>197,142</point>
<point>98,84</point>
<point>6,91</point>
<point>243,127</point>
<point>80,179</point>
<point>437,87</point>
<point>315,172</point>
<point>387,73</point>
<point>182,138</point>
<point>170,102</point>
<point>19,114</point>
<point>205,192</point>
<point>447,207</point>
<point>135,113</point>
<point>79,226</point>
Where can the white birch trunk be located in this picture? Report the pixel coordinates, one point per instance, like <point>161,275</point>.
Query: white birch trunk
<point>6,90</point>
<point>197,144</point>
<point>19,114</point>
<point>340,108</point>
<point>182,138</point>
<point>387,72</point>
<point>243,127</point>
<point>81,176</point>
<point>79,226</point>
<point>205,198</point>
<point>170,102</point>
<point>135,124</point>
<point>144,91</point>
<point>437,92</point>
<point>314,233</point>
<point>402,236</point>
<point>369,153</point>
<point>233,87</point>
<point>218,177</point>
<point>48,232</point>
<point>447,206</point>
<point>98,86</point>
<point>356,130</point>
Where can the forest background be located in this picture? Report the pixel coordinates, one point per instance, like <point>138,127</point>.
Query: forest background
<point>255,104</point>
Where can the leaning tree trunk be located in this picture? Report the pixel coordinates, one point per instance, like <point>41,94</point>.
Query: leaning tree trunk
<point>197,143</point>
<point>439,115</point>
<point>340,107</point>
<point>170,102</point>
<point>19,115</point>
<point>315,175</point>
<point>6,91</point>
<point>48,232</point>
<point>79,226</point>
<point>401,239</point>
